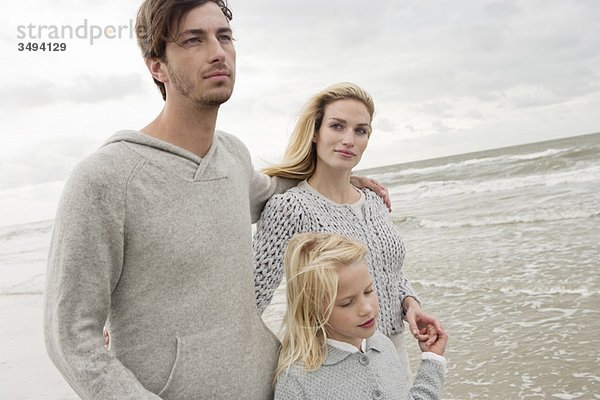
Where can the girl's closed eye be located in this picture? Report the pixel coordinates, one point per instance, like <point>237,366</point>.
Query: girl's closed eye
<point>345,303</point>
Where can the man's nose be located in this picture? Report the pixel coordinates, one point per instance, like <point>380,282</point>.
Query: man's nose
<point>217,52</point>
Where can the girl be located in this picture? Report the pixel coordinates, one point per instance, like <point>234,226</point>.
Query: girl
<point>330,347</point>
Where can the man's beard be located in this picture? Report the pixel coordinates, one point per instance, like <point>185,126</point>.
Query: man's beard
<point>185,87</point>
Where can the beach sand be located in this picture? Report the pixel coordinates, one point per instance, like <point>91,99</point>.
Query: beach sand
<point>27,372</point>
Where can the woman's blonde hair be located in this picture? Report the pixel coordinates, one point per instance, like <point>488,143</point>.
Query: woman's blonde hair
<point>300,157</point>
<point>311,263</point>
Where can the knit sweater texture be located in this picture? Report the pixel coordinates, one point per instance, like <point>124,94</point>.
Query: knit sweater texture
<point>298,211</point>
<point>375,374</point>
<point>155,242</point>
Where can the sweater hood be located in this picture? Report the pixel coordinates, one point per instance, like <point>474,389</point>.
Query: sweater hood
<point>166,156</point>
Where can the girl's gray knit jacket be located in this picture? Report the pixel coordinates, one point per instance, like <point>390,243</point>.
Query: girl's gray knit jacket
<point>299,210</point>
<point>374,374</point>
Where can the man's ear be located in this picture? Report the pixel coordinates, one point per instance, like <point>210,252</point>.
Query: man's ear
<point>158,69</point>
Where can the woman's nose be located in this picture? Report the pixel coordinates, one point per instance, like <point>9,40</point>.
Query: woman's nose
<point>348,138</point>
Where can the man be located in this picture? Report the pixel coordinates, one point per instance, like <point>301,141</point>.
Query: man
<point>152,236</point>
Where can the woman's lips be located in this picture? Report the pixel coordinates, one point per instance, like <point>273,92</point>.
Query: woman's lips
<point>345,153</point>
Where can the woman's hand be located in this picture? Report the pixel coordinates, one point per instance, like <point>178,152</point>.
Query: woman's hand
<point>418,320</point>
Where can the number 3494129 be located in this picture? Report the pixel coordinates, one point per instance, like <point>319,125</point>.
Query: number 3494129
<point>44,46</point>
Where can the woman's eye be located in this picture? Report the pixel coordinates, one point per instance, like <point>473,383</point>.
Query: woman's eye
<point>362,131</point>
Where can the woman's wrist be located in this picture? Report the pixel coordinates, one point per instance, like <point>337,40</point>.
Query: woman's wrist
<point>409,302</point>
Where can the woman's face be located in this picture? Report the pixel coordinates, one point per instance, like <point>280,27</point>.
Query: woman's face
<point>343,135</point>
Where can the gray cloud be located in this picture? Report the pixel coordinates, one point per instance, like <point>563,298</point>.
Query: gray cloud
<point>438,71</point>
<point>384,125</point>
<point>46,160</point>
<point>420,51</point>
<point>501,9</point>
<point>80,89</point>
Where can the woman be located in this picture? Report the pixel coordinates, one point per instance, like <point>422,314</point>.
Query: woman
<point>328,141</point>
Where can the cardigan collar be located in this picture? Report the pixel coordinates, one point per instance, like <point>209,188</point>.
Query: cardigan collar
<point>347,346</point>
<point>335,355</point>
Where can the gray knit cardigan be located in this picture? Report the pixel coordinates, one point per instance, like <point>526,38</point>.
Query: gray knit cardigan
<point>374,374</point>
<point>299,210</point>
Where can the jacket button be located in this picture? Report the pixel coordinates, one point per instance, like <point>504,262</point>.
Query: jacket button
<point>377,394</point>
<point>363,359</point>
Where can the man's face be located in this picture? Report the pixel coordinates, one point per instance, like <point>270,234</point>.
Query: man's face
<point>201,63</point>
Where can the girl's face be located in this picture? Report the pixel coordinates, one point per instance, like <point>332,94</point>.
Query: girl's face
<point>343,135</point>
<point>354,315</point>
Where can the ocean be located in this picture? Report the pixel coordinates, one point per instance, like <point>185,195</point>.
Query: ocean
<point>502,246</point>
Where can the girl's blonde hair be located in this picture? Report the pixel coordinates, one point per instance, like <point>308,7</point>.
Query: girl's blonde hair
<point>300,157</point>
<point>311,263</point>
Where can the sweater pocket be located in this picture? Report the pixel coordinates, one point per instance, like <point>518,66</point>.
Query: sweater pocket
<point>223,363</point>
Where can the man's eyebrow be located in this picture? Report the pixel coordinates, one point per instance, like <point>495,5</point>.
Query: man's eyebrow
<point>200,31</point>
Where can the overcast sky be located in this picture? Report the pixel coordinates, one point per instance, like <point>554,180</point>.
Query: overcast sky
<point>447,77</point>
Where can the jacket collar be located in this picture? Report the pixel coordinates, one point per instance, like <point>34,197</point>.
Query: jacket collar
<point>335,355</point>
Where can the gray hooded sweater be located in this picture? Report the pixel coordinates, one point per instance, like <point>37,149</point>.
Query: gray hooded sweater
<point>155,242</point>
